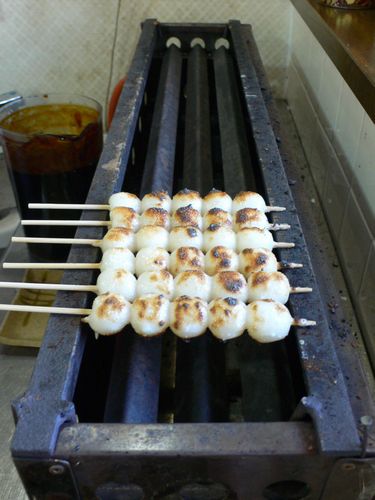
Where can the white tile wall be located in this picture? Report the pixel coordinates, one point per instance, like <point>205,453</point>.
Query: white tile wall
<point>339,141</point>
<point>66,46</point>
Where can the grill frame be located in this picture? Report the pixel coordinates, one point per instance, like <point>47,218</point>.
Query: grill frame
<point>47,428</point>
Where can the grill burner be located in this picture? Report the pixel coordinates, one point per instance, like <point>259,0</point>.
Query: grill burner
<point>249,420</point>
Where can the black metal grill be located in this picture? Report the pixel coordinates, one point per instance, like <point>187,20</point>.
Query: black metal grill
<point>127,417</point>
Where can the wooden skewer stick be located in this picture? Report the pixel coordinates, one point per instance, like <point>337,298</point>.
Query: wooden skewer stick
<point>49,286</point>
<point>283,244</point>
<point>58,222</point>
<point>50,265</point>
<point>278,227</point>
<point>303,322</point>
<point>45,309</point>
<point>69,206</point>
<point>61,241</point>
<point>275,209</point>
<point>300,289</point>
<point>288,265</point>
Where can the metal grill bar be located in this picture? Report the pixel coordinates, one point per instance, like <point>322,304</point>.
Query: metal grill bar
<point>237,165</point>
<point>197,148</point>
<point>133,395</point>
<point>327,401</point>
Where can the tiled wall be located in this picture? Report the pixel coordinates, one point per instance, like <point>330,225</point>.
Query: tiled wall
<point>339,141</point>
<point>68,46</point>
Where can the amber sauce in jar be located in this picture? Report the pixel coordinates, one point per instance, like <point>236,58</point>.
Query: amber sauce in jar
<point>52,151</point>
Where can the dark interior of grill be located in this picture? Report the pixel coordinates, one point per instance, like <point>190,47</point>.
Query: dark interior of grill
<point>132,380</point>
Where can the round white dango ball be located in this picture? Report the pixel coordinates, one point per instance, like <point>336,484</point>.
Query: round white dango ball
<point>187,197</point>
<point>118,258</point>
<point>267,321</point>
<point>118,237</point>
<point>158,199</point>
<point>155,282</point>
<point>124,217</point>
<point>110,313</point>
<point>220,259</point>
<point>151,259</point>
<point>263,285</point>
<point>187,217</point>
<point>186,259</point>
<point>217,199</point>
<point>217,216</point>
<point>193,284</point>
<point>125,200</point>
<point>252,260</point>
<point>248,199</point>
<point>229,284</point>
<point>250,217</point>
<point>216,235</point>
<point>152,237</point>
<point>185,237</point>
<point>117,281</point>
<point>149,315</point>
<point>155,216</point>
<point>226,318</point>
<point>252,237</point>
<point>188,317</point>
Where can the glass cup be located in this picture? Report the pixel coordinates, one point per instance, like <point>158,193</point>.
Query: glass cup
<point>52,144</point>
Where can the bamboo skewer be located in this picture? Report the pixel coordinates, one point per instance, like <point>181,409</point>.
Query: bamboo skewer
<point>49,286</point>
<point>44,309</point>
<point>274,209</point>
<point>70,206</point>
<point>50,265</point>
<point>61,241</point>
<point>57,222</point>
<point>303,322</point>
<point>283,244</point>
<point>288,265</point>
<point>300,289</point>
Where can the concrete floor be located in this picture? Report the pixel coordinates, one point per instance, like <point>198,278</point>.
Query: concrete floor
<point>16,364</point>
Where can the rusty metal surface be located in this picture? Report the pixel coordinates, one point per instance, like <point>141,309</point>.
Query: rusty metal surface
<point>327,401</point>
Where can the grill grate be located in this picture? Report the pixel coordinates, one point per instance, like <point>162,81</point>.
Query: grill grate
<point>196,118</point>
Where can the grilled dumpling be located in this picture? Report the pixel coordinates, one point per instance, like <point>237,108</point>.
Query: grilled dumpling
<point>155,216</point>
<point>185,237</point>
<point>217,199</point>
<point>187,217</point>
<point>193,284</point>
<point>254,238</point>
<point>229,284</point>
<point>158,199</point>
<point>275,286</point>
<point>118,237</point>
<point>252,260</point>
<point>151,259</point>
<point>124,217</point>
<point>188,317</point>
<point>125,200</point>
<point>250,217</point>
<point>155,282</point>
<point>267,321</point>
<point>187,197</point>
<point>186,259</point>
<point>117,281</point>
<point>149,315</point>
<point>217,216</point>
<point>220,259</point>
<point>110,313</point>
<point>248,199</point>
<point>118,258</point>
<point>152,237</point>
<point>218,236</point>
<point>226,318</point>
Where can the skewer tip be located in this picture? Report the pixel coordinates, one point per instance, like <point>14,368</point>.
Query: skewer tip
<point>303,322</point>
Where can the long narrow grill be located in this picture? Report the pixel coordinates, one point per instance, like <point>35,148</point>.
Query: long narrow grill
<point>188,118</point>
